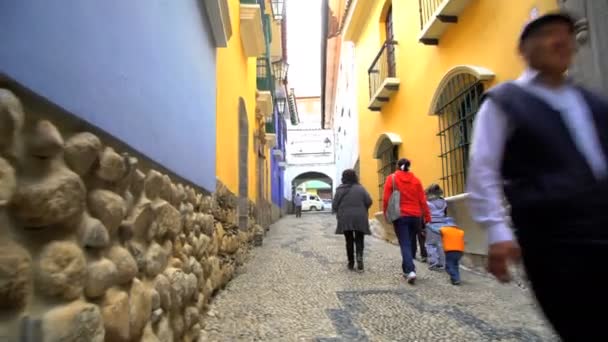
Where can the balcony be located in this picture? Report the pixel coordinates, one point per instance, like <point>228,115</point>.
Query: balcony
<point>218,13</point>
<point>436,16</point>
<point>271,140</point>
<point>263,100</point>
<point>252,29</point>
<point>264,79</point>
<point>293,108</point>
<point>269,128</point>
<point>383,81</point>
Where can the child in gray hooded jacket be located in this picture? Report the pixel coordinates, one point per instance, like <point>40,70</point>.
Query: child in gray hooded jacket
<point>438,207</point>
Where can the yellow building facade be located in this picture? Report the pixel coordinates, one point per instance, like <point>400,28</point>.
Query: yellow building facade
<point>421,68</point>
<point>236,78</point>
<point>241,107</point>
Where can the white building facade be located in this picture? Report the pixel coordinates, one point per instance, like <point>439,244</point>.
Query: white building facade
<point>345,123</point>
<point>310,150</point>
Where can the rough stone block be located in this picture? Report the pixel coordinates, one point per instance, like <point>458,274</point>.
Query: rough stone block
<point>92,233</point>
<point>140,308</point>
<point>108,207</point>
<point>45,141</point>
<point>55,198</point>
<point>156,260</point>
<point>82,151</point>
<point>8,182</point>
<point>115,312</point>
<point>126,267</point>
<point>77,321</point>
<point>62,270</point>
<point>112,166</point>
<point>153,184</point>
<point>163,287</point>
<point>101,275</point>
<point>15,276</point>
<point>11,119</point>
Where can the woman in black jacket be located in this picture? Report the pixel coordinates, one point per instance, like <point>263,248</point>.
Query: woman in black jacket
<point>351,204</point>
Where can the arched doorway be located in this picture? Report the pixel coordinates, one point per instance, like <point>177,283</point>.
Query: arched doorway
<point>386,152</point>
<point>243,205</point>
<point>455,103</point>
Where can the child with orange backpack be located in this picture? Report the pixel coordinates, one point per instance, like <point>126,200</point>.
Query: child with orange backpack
<point>453,245</point>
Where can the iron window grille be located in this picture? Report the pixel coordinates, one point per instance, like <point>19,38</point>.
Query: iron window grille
<point>387,164</point>
<point>456,108</point>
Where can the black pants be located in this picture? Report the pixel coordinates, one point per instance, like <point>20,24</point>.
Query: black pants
<point>298,211</point>
<point>569,281</point>
<point>419,234</point>
<point>354,241</point>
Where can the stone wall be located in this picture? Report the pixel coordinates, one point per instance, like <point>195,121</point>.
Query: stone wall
<point>95,247</point>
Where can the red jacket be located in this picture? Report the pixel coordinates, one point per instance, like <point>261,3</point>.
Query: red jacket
<point>413,199</point>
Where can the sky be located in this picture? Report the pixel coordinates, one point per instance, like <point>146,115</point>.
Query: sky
<point>304,46</point>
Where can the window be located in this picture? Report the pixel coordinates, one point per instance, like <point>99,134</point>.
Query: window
<point>456,108</point>
<point>387,160</point>
<point>390,37</point>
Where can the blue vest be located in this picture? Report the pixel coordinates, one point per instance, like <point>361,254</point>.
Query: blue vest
<point>546,179</point>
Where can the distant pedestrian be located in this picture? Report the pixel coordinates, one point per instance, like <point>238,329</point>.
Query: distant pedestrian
<point>438,207</point>
<point>412,208</point>
<point>543,142</point>
<point>297,202</point>
<point>351,204</point>
<point>453,245</point>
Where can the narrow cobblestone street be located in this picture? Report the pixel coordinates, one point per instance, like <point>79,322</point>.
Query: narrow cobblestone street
<point>297,288</point>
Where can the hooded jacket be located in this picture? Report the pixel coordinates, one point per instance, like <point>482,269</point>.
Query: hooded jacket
<point>438,207</point>
<point>413,200</point>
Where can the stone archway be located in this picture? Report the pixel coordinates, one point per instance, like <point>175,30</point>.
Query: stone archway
<point>310,176</point>
<point>243,206</point>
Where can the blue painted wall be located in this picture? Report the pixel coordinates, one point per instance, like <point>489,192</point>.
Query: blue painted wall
<point>141,70</point>
<point>277,175</point>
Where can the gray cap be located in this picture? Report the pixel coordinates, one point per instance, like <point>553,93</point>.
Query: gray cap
<point>535,24</point>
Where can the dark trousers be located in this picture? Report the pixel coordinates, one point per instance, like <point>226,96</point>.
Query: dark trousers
<point>421,240</point>
<point>405,229</point>
<point>452,264</point>
<point>354,242</point>
<point>298,211</point>
<point>568,278</point>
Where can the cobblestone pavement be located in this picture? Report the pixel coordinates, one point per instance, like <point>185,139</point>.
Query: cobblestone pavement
<point>297,288</point>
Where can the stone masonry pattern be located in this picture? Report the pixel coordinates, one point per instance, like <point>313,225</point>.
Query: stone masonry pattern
<point>94,249</point>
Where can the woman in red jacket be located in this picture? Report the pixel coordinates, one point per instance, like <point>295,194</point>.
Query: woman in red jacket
<point>413,206</point>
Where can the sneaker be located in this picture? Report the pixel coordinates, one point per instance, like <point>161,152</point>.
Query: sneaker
<point>455,282</point>
<point>411,278</point>
<point>351,266</point>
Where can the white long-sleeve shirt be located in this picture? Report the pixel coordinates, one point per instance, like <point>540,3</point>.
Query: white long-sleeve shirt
<point>490,134</point>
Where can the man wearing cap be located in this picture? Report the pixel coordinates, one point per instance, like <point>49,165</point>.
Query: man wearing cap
<point>542,142</point>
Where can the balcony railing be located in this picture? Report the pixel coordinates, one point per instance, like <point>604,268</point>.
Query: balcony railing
<point>427,10</point>
<point>436,16</point>
<point>293,107</point>
<point>270,129</point>
<point>264,78</point>
<point>382,74</point>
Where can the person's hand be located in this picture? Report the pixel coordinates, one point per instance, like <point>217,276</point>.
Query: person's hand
<point>500,254</point>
